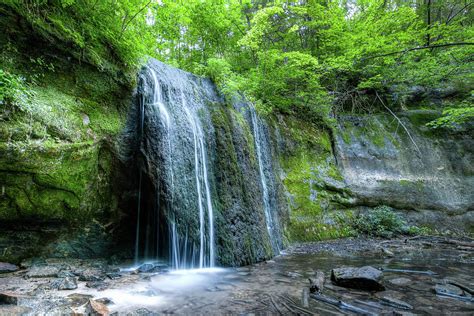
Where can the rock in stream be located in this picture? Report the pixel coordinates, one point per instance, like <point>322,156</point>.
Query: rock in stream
<point>365,278</point>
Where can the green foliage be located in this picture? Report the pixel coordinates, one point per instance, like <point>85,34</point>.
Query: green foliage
<point>13,90</point>
<point>297,57</point>
<point>382,221</point>
<point>454,117</point>
<point>107,34</point>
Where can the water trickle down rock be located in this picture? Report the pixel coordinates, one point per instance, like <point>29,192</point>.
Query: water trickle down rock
<point>266,178</point>
<point>200,197</point>
<point>174,148</point>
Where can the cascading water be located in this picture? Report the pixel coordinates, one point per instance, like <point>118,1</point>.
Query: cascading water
<point>198,151</point>
<point>171,132</point>
<point>266,174</point>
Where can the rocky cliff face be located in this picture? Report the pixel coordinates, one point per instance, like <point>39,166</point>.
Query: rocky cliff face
<point>70,170</point>
<point>426,174</point>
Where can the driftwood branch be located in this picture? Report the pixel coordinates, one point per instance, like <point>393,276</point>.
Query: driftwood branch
<point>417,48</point>
<point>428,272</point>
<point>341,304</point>
<point>399,122</point>
<point>461,286</point>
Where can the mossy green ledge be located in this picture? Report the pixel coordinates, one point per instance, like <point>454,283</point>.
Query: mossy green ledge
<point>53,181</point>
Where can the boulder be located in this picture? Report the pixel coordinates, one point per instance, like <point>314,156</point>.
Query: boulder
<point>98,285</point>
<point>77,299</point>
<point>364,278</point>
<point>68,283</point>
<point>11,298</point>
<point>151,268</point>
<point>96,308</point>
<point>42,271</point>
<point>91,275</point>
<point>14,310</point>
<point>7,267</point>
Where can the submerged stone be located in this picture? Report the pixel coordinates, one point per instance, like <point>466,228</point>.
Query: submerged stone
<point>365,278</point>
<point>68,283</point>
<point>448,289</point>
<point>400,281</point>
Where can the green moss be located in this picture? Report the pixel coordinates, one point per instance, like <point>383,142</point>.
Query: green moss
<point>306,167</point>
<point>53,181</point>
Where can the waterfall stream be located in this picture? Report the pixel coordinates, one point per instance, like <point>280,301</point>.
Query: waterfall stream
<point>174,128</point>
<point>197,151</point>
<point>261,147</point>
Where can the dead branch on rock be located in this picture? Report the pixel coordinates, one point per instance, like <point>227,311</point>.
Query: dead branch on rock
<point>399,122</point>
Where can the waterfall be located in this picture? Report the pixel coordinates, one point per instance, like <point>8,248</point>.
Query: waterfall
<point>171,132</point>
<point>264,162</point>
<point>196,152</point>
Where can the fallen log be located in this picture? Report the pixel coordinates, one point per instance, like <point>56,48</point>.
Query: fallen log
<point>459,297</point>
<point>316,284</point>
<point>369,304</point>
<point>341,304</point>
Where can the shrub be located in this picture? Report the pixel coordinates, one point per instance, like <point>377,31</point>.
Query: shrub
<point>13,90</point>
<point>382,221</point>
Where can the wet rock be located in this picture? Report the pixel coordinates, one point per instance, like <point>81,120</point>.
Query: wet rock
<point>65,274</point>
<point>91,276</point>
<point>105,300</point>
<point>68,283</point>
<point>294,275</point>
<point>11,298</point>
<point>98,285</point>
<point>391,301</point>
<point>114,275</point>
<point>150,268</point>
<point>365,278</point>
<point>142,312</point>
<point>400,281</point>
<point>7,267</point>
<point>61,310</point>
<point>42,272</point>
<point>96,308</point>
<point>448,289</point>
<point>387,252</point>
<point>77,299</point>
<point>9,310</point>
<point>317,282</point>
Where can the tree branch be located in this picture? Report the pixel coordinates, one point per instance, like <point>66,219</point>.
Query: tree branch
<point>400,122</point>
<point>132,18</point>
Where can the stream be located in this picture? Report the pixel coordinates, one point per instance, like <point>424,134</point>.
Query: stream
<point>272,287</point>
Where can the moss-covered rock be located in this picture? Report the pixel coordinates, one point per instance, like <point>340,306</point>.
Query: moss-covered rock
<point>58,157</point>
<point>316,191</point>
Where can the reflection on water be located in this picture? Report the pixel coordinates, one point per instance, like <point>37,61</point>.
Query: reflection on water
<point>264,287</point>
